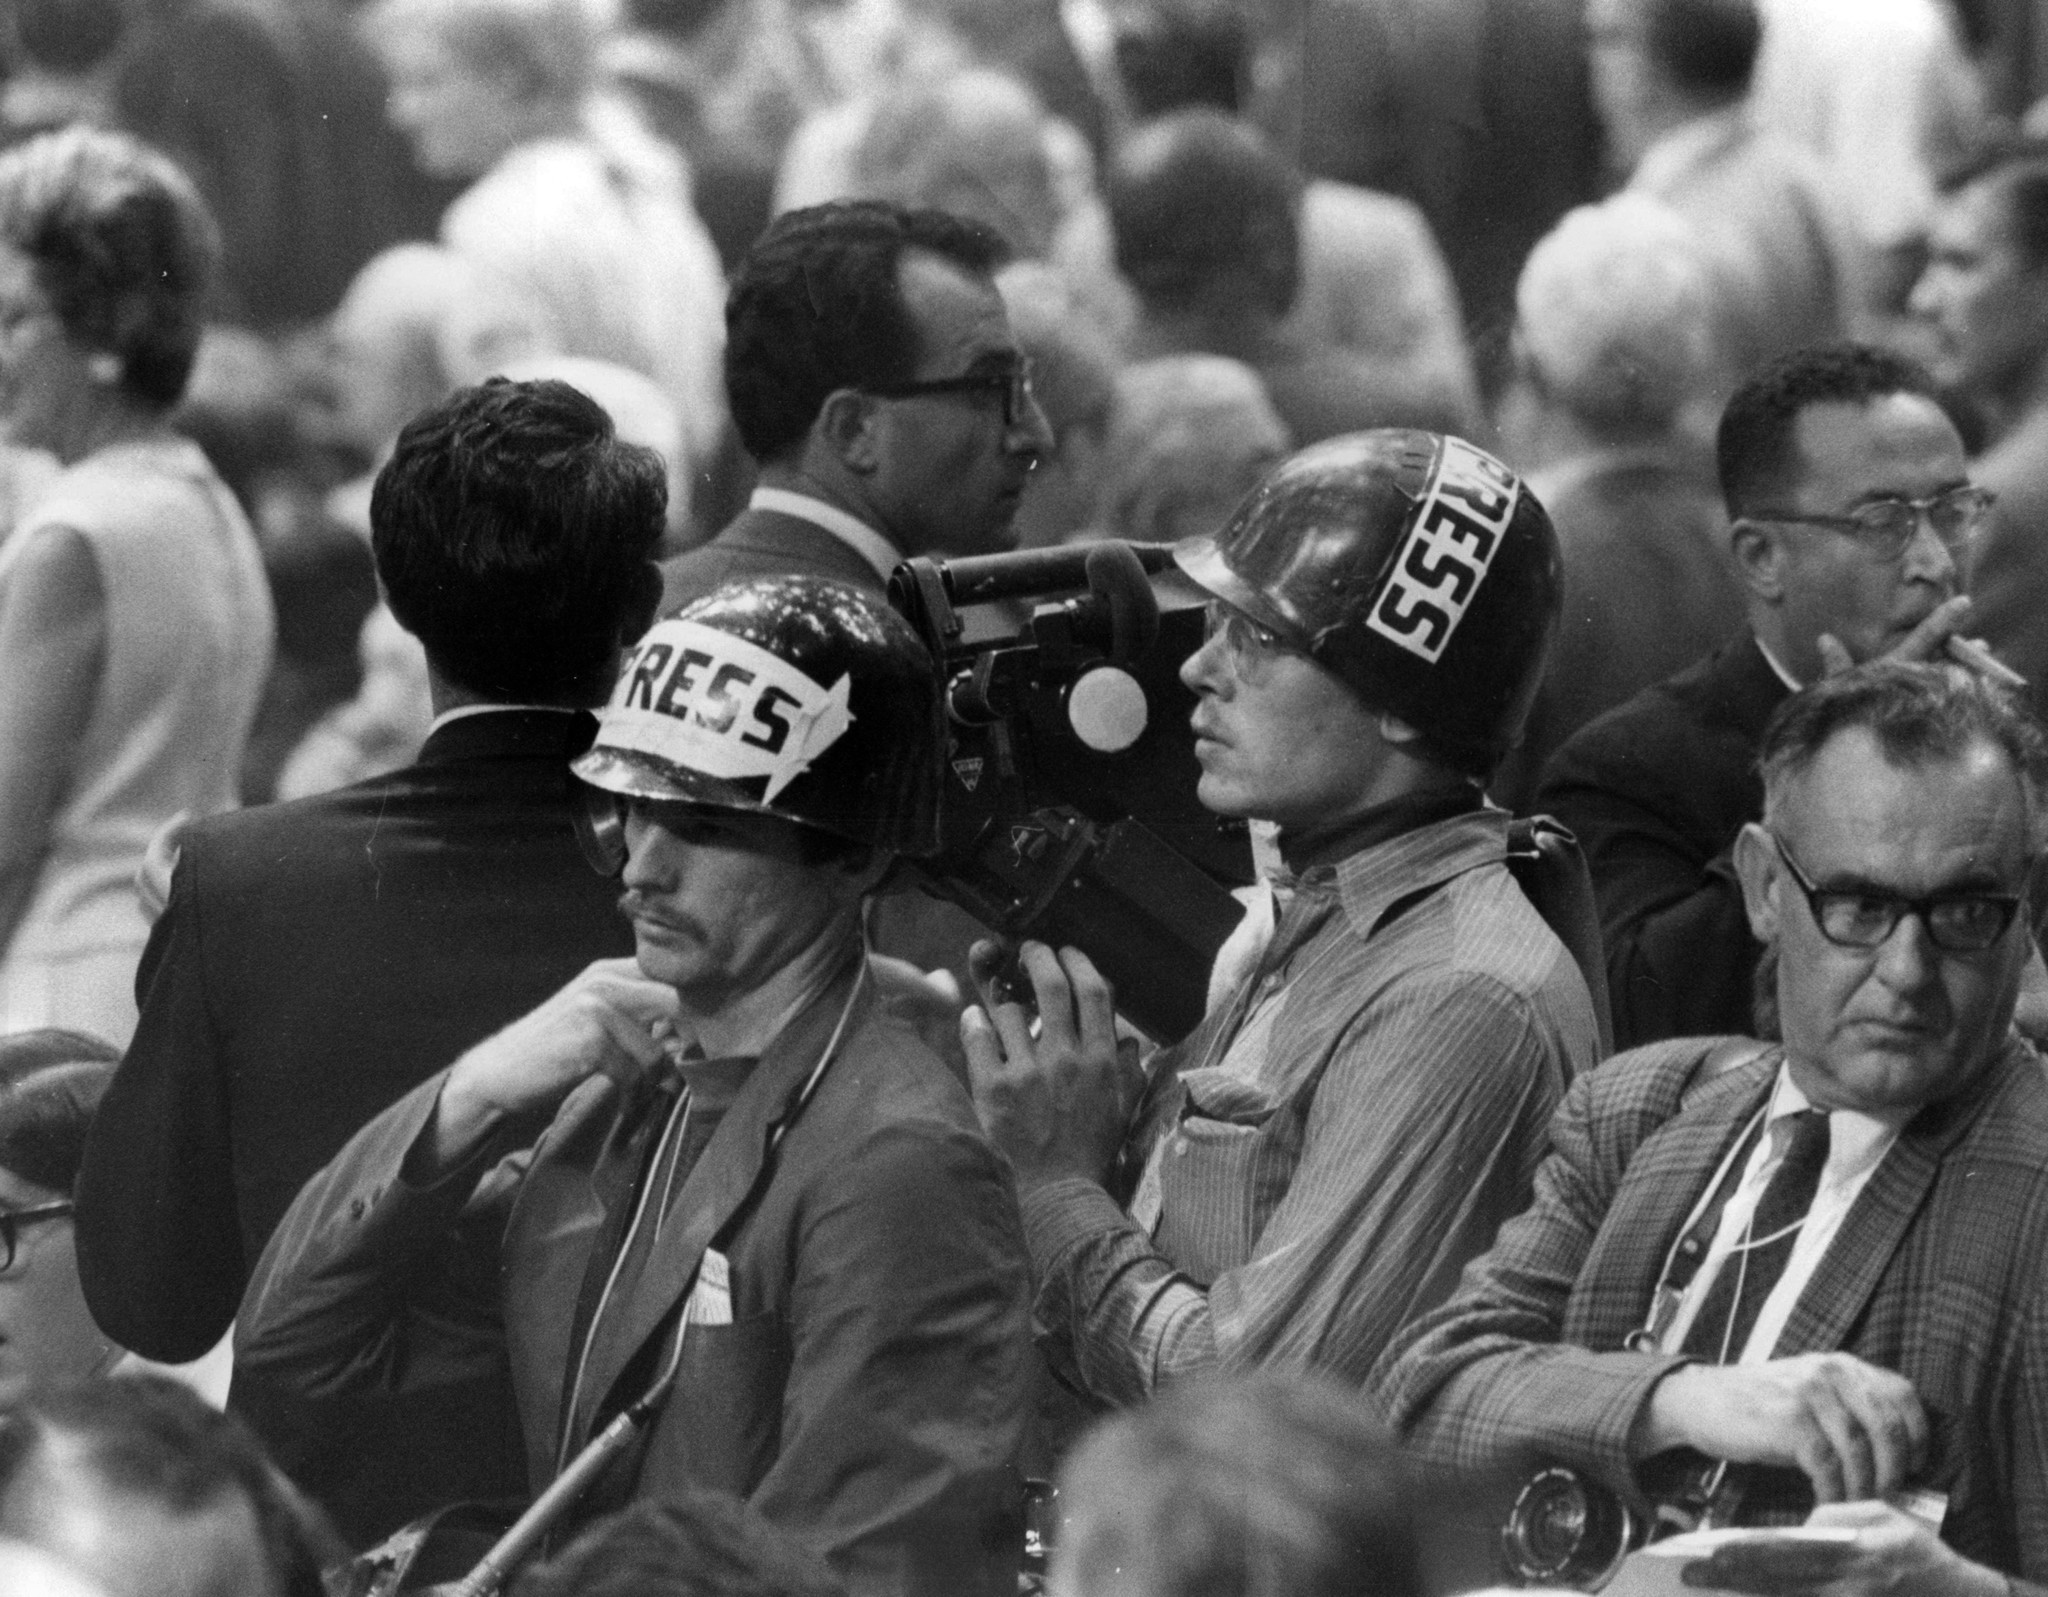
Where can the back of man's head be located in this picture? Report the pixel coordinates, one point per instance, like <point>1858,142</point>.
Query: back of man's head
<point>1757,448</point>
<point>1614,318</point>
<point>816,306</point>
<point>1172,54</point>
<point>1267,1486</point>
<point>148,1492</point>
<point>514,533</point>
<point>1705,49</point>
<point>1204,212</point>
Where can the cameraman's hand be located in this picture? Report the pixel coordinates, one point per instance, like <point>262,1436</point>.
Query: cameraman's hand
<point>609,1020</point>
<point>1893,1555</point>
<point>1056,1104</point>
<point>1854,1429</point>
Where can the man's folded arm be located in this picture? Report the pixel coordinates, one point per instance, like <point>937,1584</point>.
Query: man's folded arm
<point>383,1275</point>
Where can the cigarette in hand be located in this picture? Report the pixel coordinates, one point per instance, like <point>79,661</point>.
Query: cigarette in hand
<point>1983,662</point>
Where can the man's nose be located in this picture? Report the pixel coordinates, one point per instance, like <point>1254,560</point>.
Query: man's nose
<point>1207,670</point>
<point>1906,960</point>
<point>1925,299</point>
<point>1031,433</point>
<point>1928,558</point>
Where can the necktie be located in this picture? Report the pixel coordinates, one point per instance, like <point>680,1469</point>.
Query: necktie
<point>1736,1294</point>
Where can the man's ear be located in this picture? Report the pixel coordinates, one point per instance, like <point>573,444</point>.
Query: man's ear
<point>1759,551</point>
<point>846,426</point>
<point>1760,870</point>
<point>1399,733</point>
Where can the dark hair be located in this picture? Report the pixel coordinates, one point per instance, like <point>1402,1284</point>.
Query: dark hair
<point>1704,47</point>
<point>122,245</point>
<point>1197,195</point>
<point>51,1083</point>
<point>2018,170</point>
<point>513,530</point>
<point>1262,1486</point>
<point>816,307</point>
<point>694,1543</point>
<point>1919,714</point>
<point>148,1437</point>
<point>1756,450</point>
<point>1175,54</point>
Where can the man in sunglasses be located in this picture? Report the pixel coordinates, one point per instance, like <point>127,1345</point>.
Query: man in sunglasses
<point>1819,1260</point>
<point>1851,515</point>
<point>875,382</point>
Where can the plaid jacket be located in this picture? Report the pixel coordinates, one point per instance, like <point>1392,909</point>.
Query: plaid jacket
<point>1938,1273</point>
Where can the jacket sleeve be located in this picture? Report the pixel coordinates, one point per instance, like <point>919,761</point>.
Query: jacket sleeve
<point>159,1236</point>
<point>1679,950</point>
<point>1483,1386</point>
<point>907,1395</point>
<point>373,1284</point>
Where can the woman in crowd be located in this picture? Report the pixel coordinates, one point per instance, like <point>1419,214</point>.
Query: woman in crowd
<point>135,624</point>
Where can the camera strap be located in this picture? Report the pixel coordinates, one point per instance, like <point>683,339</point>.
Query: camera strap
<point>1685,1256</point>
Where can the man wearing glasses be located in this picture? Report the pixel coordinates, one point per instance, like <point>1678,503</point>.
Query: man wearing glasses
<point>1313,1165</point>
<point>874,380</point>
<point>1851,514</point>
<point>1820,1260</point>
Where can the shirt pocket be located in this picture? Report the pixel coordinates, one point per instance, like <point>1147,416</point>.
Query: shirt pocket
<point>1222,1171</point>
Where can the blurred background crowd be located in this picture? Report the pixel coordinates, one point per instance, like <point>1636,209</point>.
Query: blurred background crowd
<point>1239,226</point>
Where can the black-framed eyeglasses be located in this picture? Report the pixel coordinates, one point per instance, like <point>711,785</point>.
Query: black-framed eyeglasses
<point>1011,380</point>
<point>1886,526</point>
<point>12,1220</point>
<point>1863,917</point>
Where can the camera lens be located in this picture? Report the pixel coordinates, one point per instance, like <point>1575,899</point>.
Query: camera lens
<point>1564,1530</point>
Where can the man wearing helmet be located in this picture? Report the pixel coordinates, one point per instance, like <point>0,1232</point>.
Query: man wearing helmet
<point>1317,1161</point>
<point>729,1214</point>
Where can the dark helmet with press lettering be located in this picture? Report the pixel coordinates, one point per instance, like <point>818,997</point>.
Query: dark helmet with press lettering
<point>1414,566</point>
<point>797,697</point>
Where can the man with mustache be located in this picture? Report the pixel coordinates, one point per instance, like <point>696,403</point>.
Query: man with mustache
<point>758,1206</point>
<point>1851,512</point>
<point>1316,1162</point>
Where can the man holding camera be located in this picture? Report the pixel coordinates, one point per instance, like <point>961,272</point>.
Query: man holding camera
<point>758,1210</point>
<point>1318,1159</point>
<point>1822,1258</point>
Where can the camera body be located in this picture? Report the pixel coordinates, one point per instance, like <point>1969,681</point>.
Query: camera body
<point>1068,812</point>
<point>1566,1529</point>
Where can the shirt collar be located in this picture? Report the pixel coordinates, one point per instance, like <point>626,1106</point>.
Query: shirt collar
<point>1856,1140</point>
<point>1689,146</point>
<point>1792,683</point>
<point>1374,878</point>
<point>850,530</point>
<point>463,712</point>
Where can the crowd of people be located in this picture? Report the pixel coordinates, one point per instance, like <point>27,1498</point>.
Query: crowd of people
<point>486,1086</point>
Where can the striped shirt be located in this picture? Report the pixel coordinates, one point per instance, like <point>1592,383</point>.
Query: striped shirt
<point>1338,1139</point>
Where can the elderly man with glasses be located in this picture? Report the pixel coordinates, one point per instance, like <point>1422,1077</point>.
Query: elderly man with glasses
<point>1851,515</point>
<point>1763,1276</point>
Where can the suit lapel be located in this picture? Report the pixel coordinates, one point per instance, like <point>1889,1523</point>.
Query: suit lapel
<point>1663,1180</point>
<point>711,1195</point>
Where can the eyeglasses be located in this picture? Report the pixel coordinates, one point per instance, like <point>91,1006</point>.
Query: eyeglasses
<point>1957,923</point>
<point>1886,526</point>
<point>1011,379</point>
<point>1247,642</point>
<point>11,1222</point>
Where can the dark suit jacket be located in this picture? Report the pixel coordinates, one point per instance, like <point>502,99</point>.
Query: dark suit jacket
<point>316,961</point>
<point>761,543</point>
<point>869,1391</point>
<point>1937,1273</point>
<point>1649,588</point>
<point>1656,791</point>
